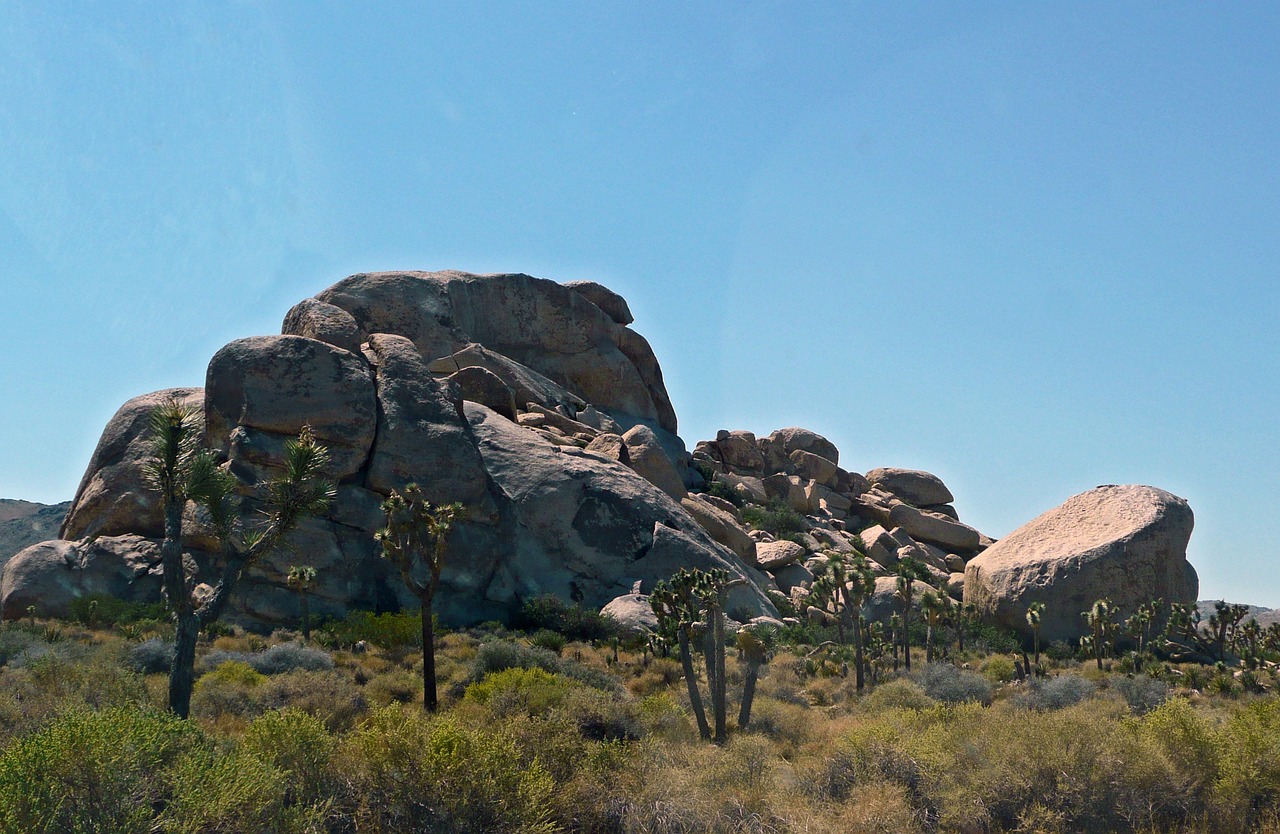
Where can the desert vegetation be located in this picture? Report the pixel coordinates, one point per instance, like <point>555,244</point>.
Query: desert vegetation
<point>565,725</point>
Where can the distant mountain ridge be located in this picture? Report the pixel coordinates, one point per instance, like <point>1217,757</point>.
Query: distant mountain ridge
<point>24,523</point>
<point>1264,616</point>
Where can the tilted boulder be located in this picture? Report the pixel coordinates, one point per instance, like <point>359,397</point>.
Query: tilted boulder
<point>1126,543</point>
<point>632,613</point>
<point>613,305</point>
<point>317,320</point>
<point>53,574</point>
<point>917,488</point>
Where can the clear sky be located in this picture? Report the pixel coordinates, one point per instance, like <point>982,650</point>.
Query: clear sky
<point>1031,247</point>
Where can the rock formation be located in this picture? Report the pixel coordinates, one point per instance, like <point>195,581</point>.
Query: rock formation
<point>536,406</point>
<point>486,390</point>
<point>1128,543</point>
<point>24,523</point>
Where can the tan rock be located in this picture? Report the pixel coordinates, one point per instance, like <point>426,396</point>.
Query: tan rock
<point>911,485</point>
<point>1126,543</point>
<point>814,467</point>
<point>936,529</point>
<point>722,527</point>
<point>772,556</point>
<point>647,457</point>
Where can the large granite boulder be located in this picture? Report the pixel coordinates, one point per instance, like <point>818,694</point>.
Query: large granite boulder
<point>52,574</point>
<point>1127,543</point>
<point>113,498</point>
<point>920,489</point>
<point>553,329</point>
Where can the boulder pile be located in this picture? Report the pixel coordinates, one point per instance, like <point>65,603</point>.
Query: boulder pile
<point>538,407</point>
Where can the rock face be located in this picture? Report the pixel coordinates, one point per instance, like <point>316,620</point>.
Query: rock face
<point>1127,543</point>
<point>394,372</point>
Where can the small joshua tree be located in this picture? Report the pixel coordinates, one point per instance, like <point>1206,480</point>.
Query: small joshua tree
<point>931,606</point>
<point>675,604</point>
<point>909,570</point>
<point>755,653</point>
<point>1035,611</point>
<point>300,579</point>
<point>1100,626</point>
<point>415,540</point>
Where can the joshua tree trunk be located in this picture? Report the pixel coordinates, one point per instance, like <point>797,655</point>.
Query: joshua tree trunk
<point>304,609</point>
<point>859,674</point>
<point>691,680</point>
<point>928,643</point>
<point>906,637</point>
<point>748,694</point>
<point>430,700</point>
<point>182,674</point>
<point>720,693</point>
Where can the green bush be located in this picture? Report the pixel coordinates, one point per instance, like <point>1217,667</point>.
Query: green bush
<point>1055,693</point>
<point>275,660</point>
<point>550,612</point>
<point>387,631</point>
<point>777,518</point>
<point>91,772</point>
<point>952,685</point>
<point>104,610</point>
<point>150,657</point>
<point>552,641</point>
<point>529,691</point>
<point>1141,693</point>
<point>497,655</point>
<point>297,745</point>
<point>405,772</point>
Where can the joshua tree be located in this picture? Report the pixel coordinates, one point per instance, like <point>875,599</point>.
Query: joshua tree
<point>416,540</point>
<point>755,652</point>
<point>300,579</point>
<point>931,607</point>
<point>1100,625</point>
<point>181,470</point>
<point>909,570</point>
<point>861,584</point>
<point>895,631</point>
<point>683,601</point>
<point>1034,612</point>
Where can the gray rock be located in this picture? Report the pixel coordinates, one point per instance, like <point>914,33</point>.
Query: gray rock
<point>814,467</point>
<point>773,556</point>
<point>315,319</point>
<point>274,385</point>
<point>911,485</point>
<point>937,529</point>
<point>647,457</point>
<point>483,386</point>
<point>791,439</point>
<point>722,527</point>
<point>633,613</point>
<point>1126,543</point>
<point>613,305</point>
<point>52,574</point>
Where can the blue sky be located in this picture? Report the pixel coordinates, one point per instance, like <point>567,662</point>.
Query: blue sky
<point>1029,247</point>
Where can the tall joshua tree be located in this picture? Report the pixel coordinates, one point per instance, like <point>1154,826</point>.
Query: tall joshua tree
<point>1099,619</point>
<point>909,570</point>
<point>182,470</point>
<point>416,541</point>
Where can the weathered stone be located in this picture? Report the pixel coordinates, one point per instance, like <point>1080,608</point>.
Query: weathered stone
<point>831,501</point>
<point>422,437</point>
<point>911,485</point>
<point>877,544</point>
<point>937,529</point>
<point>883,602</point>
<point>114,498</point>
<point>526,384</point>
<point>722,527</point>
<point>790,491</point>
<point>943,509</point>
<point>649,459</point>
<point>791,576</point>
<point>737,450</point>
<point>791,439</point>
<point>776,555</point>
<point>814,467</point>
<point>611,447</point>
<point>633,613</point>
<point>955,586</point>
<point>750,488</point>
<point>1125,543</point>
<point>275,385</point>
<point>483,386</point>
<point>315,319</point>
<point>613,305</point>
<point>51,575</point>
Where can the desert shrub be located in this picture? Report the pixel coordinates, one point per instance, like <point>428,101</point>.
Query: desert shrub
<point>952,685</point>
<point>901,693</point>
<point>290,657</point>
<point>405,772</point>
<point>1055,693</point>
<point>91,771</point>
<point>150,657</point>
<point>530,691</point>
<point>229,690</point>
<point>396,687</point>
<point>599,717</point>
<point>1141,693</point>
<point>990,638</point>
<point>549,612</point>
<point>18,645</point>
<point>777,518</point>
<point>550,640</point>
<point>299,746</point>
<point>329,695</point>
<point>720,489</point>
<point>229,790</point>
<point>497,655</point>
<point>103,610</point>
<point>388,631</point>
<point>997,669</point>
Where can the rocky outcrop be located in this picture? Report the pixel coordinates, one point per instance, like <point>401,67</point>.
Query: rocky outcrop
<point>530,403</point>
<point>1127,543</point>
<point>920,489</point>
<point>50,575</point>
